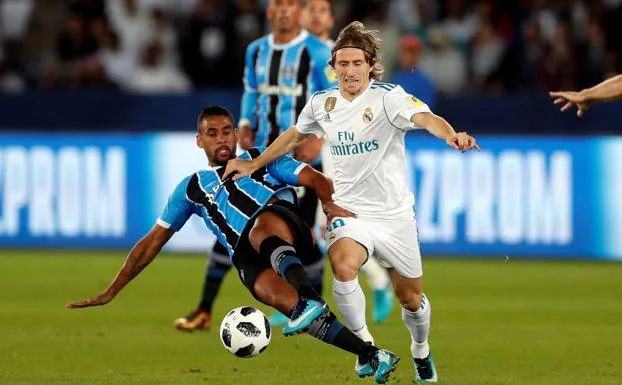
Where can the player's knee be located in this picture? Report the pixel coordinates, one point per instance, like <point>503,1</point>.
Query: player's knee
<point>267,225</point>
<point>343,269</point>
<point>345,265</point>
<point>258,233</point>
<point>410,299</point>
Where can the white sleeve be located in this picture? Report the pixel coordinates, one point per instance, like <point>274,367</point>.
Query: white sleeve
<point>401,106</point>
<point>306,123</point>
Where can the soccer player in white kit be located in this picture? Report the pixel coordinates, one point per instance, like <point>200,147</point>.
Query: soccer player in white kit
<point>365,121</point>
<point>317,18</point>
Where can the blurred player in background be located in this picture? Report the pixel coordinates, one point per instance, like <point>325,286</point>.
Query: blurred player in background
<point>317,18</point>
<point>608,90</point>
<point>254,218</point>
<point>409,75</point>
<point>282,69</point>
<point>365,122</point>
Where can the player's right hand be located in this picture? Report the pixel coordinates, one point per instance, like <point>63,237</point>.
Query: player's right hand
<point>246,137</point>
<point>98,300</point>
<point>571,98</point>
<point>462,142</point>
<point>239,168</point>
<point>331,210</point>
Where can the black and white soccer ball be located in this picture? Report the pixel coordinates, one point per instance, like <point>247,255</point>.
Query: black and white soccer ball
<point>245,332</point>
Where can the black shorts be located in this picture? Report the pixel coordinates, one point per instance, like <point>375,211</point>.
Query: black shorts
<point>308,203</point>
<point>250,264</point>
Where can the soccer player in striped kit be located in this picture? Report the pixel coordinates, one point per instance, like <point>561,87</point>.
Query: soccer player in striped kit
<point>255,219</point>
<point>282,69</point>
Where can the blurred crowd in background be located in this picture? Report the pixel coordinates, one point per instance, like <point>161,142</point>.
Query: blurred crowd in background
<point>169,46</point>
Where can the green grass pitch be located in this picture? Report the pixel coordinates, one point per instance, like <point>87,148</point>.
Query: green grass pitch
<point>494,322</point>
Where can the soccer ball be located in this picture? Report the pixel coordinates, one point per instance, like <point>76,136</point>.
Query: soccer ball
<point>245,332</point>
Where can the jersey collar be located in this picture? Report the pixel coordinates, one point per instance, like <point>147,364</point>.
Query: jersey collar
<point>301,36</point>
<point>360,97</point>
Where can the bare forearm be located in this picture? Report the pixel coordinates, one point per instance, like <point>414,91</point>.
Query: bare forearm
<point>610,89</point>
<point>139,257</point>
<point>284,144</point>
<point>317,181</point>
<point>324,190</point>
<point>434,124</point>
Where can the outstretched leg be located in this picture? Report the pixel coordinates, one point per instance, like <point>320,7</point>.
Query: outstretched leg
<point>274,238</point>
<point>272,290</point>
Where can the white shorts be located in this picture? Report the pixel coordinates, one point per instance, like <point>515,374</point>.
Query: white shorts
<point>394,243</point>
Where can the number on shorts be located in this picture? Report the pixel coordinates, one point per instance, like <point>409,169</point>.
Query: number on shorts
<point>337,223</point>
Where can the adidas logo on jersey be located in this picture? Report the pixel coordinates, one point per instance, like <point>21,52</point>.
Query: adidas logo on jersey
<point>327,118</point>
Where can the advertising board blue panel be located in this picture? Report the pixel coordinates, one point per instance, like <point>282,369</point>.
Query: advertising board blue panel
<point>538,196</point>
<point>549,197</point>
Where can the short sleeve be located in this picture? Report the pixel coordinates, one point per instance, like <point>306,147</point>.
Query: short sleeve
<point>306,123</point>
<point>178,208</point>
<point>401,106</point>
<point>286,169</point>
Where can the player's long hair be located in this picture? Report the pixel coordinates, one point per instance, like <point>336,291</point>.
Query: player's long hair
<point>355,35</point>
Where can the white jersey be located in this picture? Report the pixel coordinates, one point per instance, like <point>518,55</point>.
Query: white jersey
<point>367,152</point>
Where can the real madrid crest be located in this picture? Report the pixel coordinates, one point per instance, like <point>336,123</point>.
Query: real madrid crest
<point>367,115</point>
<point>329,104</point>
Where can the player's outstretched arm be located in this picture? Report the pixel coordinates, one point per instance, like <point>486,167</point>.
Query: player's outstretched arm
<point>284,144</point>
<point>608,90</point>
<point>141,255</point>
<point>440,128</point>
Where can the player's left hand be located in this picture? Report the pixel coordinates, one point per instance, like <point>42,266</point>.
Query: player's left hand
<point>571,98</point>
<point>462,142</point>
<point>98,300</point>
<point>331,210</point>
<point>239,168</point>
<point>309,150</point>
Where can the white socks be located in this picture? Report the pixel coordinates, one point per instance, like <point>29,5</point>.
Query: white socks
<point>418,323</point>
<point>377,276</point>
<point>350,301</point>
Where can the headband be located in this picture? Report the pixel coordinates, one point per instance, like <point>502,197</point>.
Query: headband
<point>354,46</point>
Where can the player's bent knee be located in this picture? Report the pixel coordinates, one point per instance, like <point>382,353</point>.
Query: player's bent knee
<point>267,225</point>
<point>410,300</point>
<point>257,234</point>
<point>345,262</point>
<point>343,269</point>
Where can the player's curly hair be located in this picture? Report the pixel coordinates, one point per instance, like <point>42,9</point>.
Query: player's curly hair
<point>354,35</point>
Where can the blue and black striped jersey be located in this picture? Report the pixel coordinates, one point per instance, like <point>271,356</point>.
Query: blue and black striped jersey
<point>279,79</point>
<point>226,206</point>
